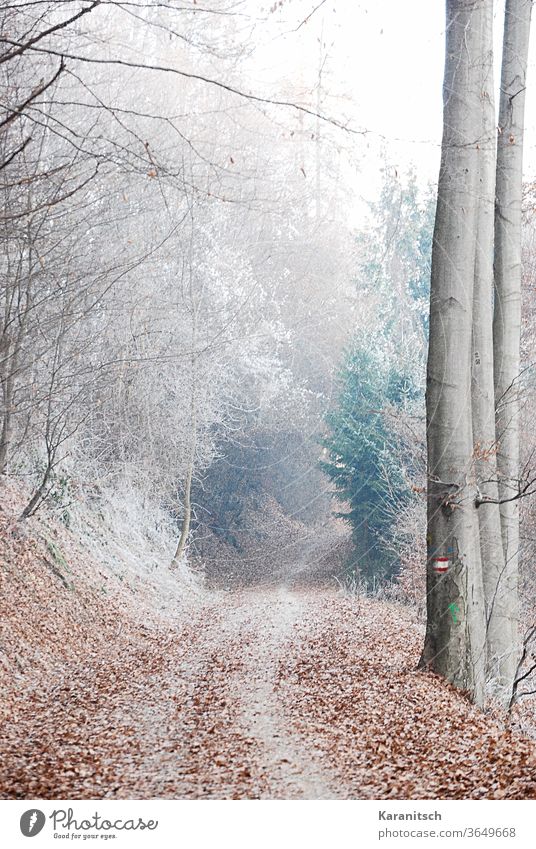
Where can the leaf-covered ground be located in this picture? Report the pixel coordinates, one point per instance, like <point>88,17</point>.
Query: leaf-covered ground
<point>265,693</point>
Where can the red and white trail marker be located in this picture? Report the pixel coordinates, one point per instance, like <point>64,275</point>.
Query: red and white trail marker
<point>440,564</point>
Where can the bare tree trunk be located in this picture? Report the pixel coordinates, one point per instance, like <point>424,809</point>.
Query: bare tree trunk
<point>40,493</point>
<point>507,313</point>
<point>18,299</point>
<point>483,395</point>
<point>187,515</point>
<point>455,633</point>
<point>8,387</point>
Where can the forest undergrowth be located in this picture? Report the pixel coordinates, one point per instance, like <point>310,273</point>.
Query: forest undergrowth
<point>134,682</point>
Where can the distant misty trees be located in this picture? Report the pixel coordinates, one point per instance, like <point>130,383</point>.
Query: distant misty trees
<point>163,259</point>
<point>379,402</point>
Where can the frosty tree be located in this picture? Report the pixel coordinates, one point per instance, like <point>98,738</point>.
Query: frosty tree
<point>473,359</point>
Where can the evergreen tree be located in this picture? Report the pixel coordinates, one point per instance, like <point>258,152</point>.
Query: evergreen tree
<point>383,373</point>
<point>364,462</point>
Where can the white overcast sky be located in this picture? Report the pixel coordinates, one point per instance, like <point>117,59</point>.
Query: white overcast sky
<point>388,55</point>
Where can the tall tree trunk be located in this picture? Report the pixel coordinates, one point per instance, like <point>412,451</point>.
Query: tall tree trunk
<point>187,515</point>
<point>455,633</point>
<point>483,395</point>
<point>507,313</point>
<point>187,501</point>
<point>187,505</point>
<point>8,387</point>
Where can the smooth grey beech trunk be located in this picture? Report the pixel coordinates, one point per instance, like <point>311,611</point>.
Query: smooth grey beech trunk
<point>507,325</point>
<point>499,674</point>
<point>473,361</point>
<point>455,634</point>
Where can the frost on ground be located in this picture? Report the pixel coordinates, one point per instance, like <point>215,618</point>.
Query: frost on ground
<point>270,692</point>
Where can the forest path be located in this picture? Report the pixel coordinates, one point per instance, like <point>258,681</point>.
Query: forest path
<point>270,693</point>
<point>263,631</point>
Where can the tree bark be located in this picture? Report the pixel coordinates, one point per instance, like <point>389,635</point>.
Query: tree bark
<point>39,495</point>
<point>507,316</point>
<point>8,387</point>
<point>498,674</point>
<point>187,515</point>
<point>186,518</point>
<point>455,634</point>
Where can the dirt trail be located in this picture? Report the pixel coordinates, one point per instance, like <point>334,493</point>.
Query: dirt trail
<point>265,629</point>
<point>267,693</point>
<point>193,711</point>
